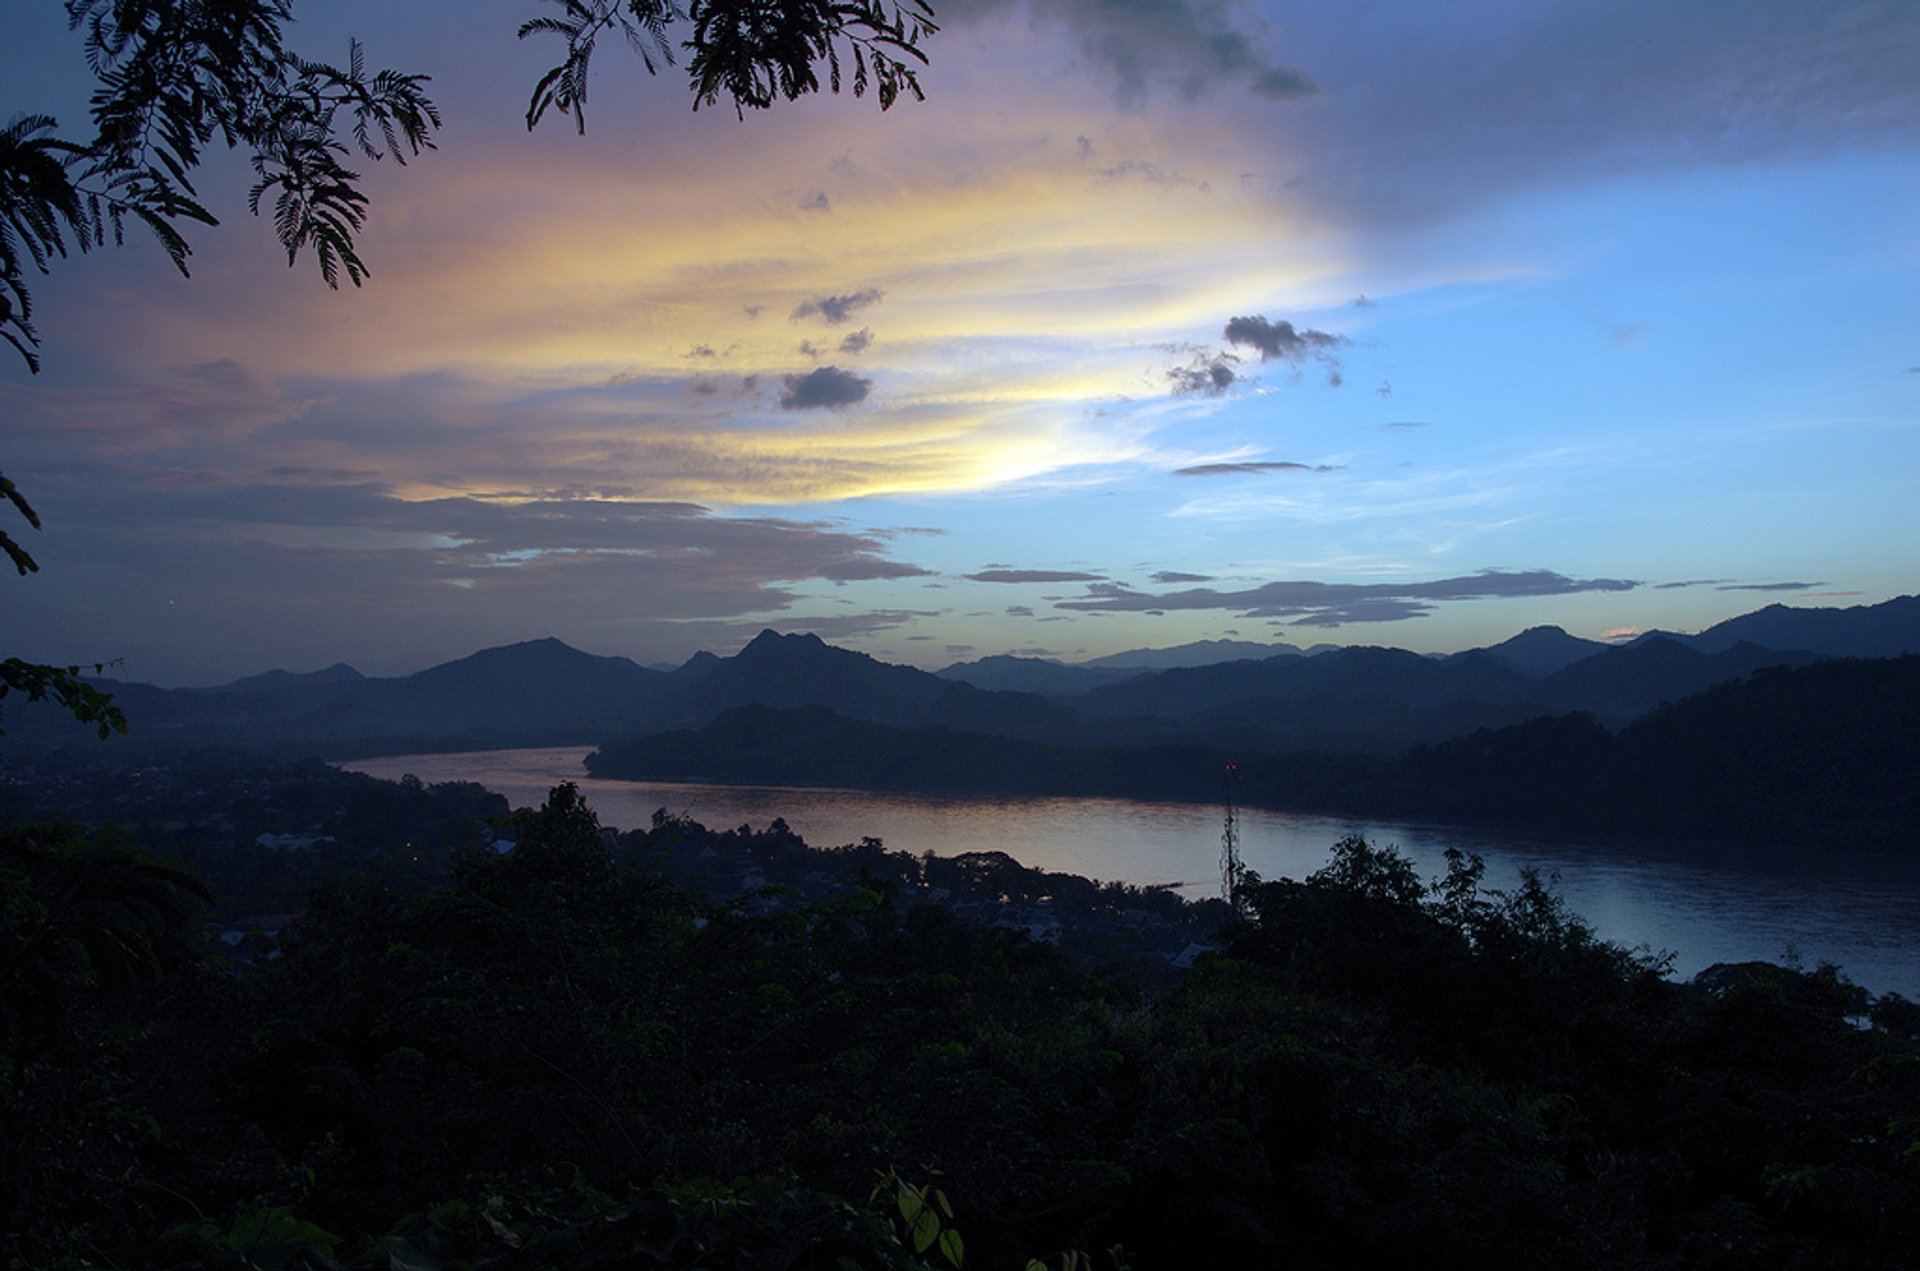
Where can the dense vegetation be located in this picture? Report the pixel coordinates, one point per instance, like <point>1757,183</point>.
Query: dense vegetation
<point>560,1058</point>
<point>1827,753</point>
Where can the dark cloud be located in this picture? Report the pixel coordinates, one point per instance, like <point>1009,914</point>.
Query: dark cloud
<point>1691,582</point>
<point>1209,377</point>
<point>1236,469</point>
<point>327,476</point>
<point>817,201</point>
<point>1282,342</point>
<point>1019,611</point>
<point>1142,172</point>
<point>810,349</point>
<point>824,387</point>
<point>1167,577</point>
<point>1559,96</point>
<point>857,341</point>
<point>1361,302</point>
<point>1191,48</point>
<point>835,310</point>
<point>1769,586</point>
<point>1031,576</point>
<point>702,350</point>
<point>1365,611</point>
<point>1306,603</point>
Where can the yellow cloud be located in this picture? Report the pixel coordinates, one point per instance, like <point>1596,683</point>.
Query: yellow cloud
<point>1026,271</point>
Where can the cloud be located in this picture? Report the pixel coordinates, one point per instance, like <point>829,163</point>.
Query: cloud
<point>858,341</point>
<point>1691,582</point>
<point>824,387</point>
<point>1306,603</point>
<point>810,349</point>
<point>1236,469</point>
<point>816,201</point>
<point>219,401</point>
<point>835,310</point>
<point>1149,173</point>
<point>1446,116</point>
<point>1282,342</point>
<point>1031,576</point>
<point>1167,577</point>
<point>1019,611</point>
<point>1209,377</point>
<point>1769,586</point>
<point>311,573</point>
<point>1191,48</point>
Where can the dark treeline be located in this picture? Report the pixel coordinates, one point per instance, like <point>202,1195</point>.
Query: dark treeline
<point>1828,753</point>
<point>562,1058</point>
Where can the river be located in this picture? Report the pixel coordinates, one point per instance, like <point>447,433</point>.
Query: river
<point>1702,903</point>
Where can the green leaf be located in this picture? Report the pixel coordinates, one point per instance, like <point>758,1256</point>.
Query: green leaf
<point>926,1229</point>
<point>952,1248</point>
<point>402,1256</point>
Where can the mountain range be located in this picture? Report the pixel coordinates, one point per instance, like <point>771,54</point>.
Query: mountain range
<point>1379,700</point>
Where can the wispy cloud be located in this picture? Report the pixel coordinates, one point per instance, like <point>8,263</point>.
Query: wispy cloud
<point>1031,576</point>
<point>836,310</point>
<point>1251,468</point>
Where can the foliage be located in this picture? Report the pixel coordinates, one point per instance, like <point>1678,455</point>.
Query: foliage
<point>750,52</point>
<point>87,704</point>
<point>559,1059</point>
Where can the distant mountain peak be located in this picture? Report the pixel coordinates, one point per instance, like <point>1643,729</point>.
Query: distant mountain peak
<point>1540,650</point>
<point>277,680</point>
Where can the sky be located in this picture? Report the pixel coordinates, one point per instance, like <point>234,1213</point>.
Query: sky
<point>1157,321</point>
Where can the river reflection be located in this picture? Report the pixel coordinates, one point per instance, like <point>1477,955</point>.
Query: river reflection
<point>1705,904</point>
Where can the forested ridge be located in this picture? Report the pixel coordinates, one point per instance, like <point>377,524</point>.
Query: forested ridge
<point>1827,753</point>
<point>560,1057</point>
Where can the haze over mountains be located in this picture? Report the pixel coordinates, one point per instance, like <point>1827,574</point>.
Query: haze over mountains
<point>543,692</point>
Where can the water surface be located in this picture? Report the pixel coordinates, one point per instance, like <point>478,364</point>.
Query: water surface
<point>1703,903</point>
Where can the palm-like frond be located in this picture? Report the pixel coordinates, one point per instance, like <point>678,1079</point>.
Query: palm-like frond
<point>41,210</point>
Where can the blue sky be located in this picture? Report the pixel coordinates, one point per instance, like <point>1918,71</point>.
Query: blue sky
<point>1159,320</point>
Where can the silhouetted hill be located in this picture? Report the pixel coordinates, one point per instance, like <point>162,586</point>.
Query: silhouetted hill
<point>277,681</point>
<point>1196,653</point>
<point>1618,684</point>
<point>1358,698</point>
<point>1008,674</point>
<point>1827,753</point>
<point>541,692</point>
<point>1541,650</point>
<point>816,746</point>
<point>789,671</point>
<point>1885,630</point>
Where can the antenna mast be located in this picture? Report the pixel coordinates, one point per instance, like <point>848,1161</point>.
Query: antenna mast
<point>1231,869</point>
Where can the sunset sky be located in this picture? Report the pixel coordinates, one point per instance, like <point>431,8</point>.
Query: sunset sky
<point>1159,320</point>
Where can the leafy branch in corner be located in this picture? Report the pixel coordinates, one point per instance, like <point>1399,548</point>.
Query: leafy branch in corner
<point>755,52</point>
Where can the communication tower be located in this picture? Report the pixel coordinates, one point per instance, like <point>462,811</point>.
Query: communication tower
<point>1230,866</point>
